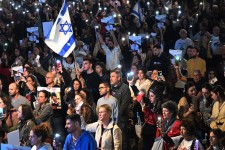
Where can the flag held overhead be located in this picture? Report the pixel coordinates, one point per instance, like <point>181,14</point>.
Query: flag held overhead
<point>60,38</point>
<point>108,20</point>
<point>135,39</point>
<point>137,12</point>
<point>161,18</point>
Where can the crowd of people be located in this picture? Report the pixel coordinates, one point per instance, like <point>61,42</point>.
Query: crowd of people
<point>109,83</point>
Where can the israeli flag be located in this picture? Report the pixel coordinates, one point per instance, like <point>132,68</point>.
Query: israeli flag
<point>60,38</point>
<point>137,12</point>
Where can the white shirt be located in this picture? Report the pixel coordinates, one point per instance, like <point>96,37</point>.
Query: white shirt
<point>68,66</point>
<point>183,44</point>
<point>77,108</point>
<point>185,144</point>
<point>112,57</point>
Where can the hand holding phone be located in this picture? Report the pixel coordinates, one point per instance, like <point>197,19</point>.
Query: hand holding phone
<point>130,76</point>
<point>57,139</point>
<point>159,74</point>
<point>37,57</point>
<point>58,64</point>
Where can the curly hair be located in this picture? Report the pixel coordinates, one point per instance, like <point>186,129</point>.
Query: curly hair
<point>43,130</point>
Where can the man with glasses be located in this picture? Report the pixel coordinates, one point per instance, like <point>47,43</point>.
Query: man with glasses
<point>107,98</point>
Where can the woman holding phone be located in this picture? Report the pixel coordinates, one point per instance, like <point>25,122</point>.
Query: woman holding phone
<point>152,115</point>
<point>188,104</point>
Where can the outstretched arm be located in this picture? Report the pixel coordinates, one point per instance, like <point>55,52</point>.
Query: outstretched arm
<point>114,39</point>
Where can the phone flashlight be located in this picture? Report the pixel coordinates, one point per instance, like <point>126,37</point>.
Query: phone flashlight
<point>130,76</point>
<point>57,138</point>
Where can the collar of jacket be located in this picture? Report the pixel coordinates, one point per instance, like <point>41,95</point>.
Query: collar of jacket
<point>116,87</point>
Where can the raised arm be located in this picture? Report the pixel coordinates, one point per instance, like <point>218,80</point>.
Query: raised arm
<point>114,38</point>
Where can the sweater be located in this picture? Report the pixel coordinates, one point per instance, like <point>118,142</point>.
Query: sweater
<point>84,142</point>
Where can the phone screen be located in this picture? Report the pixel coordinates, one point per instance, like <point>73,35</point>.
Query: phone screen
<point>159,74</point>
<point>58,63</point>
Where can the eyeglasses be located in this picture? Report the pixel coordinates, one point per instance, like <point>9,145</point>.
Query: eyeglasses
<point>48,77</point>
<point>101,88</point>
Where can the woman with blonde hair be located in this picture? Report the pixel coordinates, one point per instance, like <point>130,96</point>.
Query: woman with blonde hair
<point>107,134</point>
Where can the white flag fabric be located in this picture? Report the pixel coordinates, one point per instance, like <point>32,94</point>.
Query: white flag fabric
<point>61,39</point>
<point>137,12</point>
<point>136,39</point>
<point>108,20</point>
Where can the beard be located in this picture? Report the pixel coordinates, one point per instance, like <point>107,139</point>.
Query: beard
<point>110,47</point>
<point>104,94</point>
<point>13,95</point>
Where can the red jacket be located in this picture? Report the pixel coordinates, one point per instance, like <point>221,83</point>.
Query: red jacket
<point>174,131</point>
<point>149,116</point>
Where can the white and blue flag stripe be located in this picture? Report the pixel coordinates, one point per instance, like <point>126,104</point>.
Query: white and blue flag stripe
<point>61,38</point>
<point>137,12</point>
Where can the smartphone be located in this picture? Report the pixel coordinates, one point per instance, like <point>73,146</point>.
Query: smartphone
<point>140,96</point>
<point>130,76</point>
<point>29,54</point>
<point>160,74</point>
<point>1,114</point>
<point>37,57</point>
<point>177,60</point>
<point>17,76</point>
<point>58,63</point>
<point>57,138</point>
<point>159,121</point>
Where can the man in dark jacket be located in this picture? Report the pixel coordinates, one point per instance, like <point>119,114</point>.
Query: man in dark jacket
<point>159,61</point>
<point>122,93</point>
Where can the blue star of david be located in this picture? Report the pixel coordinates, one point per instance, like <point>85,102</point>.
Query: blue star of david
<point>68,29</point>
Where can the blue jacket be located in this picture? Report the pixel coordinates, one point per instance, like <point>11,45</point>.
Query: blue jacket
<point>84,142</point>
